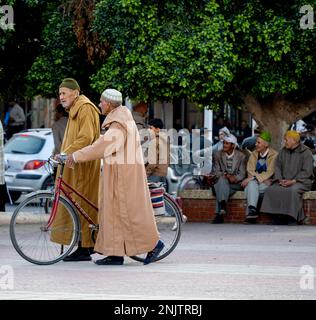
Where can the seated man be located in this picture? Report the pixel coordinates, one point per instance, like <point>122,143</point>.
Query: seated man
<point>219,145</point>
<point>260,169</point>
<point>292,177</point>
<point>230,169</point>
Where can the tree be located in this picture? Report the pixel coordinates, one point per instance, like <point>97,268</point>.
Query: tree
<point>40,51</point>
<point>276,67</point>
<point>156,50</point>
<point>241,52</point>
<point>59,58</point>
<point>18,47</point>
<point>211,52</point>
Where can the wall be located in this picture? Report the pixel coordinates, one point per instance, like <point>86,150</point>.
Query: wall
<point>199,206</point>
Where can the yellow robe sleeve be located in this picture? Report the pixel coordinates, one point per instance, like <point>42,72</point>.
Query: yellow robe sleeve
<point>86,135</point>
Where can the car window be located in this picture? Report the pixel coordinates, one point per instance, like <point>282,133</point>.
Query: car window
<point>24,144</point>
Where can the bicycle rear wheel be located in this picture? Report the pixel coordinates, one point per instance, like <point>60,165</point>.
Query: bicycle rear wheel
<point>30,235</point>
<point>169,226</point>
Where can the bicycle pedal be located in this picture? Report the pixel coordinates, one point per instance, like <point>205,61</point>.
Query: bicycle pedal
<point>93,227</point>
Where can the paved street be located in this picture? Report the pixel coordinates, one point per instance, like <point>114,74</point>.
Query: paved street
<point>211,262</point>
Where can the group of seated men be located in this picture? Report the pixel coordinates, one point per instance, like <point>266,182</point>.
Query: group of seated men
<point>280,178</point>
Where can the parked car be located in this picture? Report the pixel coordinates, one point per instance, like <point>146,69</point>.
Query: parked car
<point>26,154</point>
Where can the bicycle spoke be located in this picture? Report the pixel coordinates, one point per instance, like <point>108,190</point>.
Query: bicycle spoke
<point>169,228</point>
<point>31,238</point>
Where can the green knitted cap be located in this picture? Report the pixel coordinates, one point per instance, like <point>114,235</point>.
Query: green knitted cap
<point>265,135</point>
<point>70,83</point>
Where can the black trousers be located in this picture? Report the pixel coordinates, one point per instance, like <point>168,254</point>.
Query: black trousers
<point>3,197</point>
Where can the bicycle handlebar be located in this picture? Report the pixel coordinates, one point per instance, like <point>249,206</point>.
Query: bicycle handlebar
<point>60,160</point>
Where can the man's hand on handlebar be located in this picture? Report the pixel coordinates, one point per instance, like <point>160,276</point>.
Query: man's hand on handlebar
<point>70,162</point>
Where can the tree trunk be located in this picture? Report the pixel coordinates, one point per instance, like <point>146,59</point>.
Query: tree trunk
<point>277,116</point>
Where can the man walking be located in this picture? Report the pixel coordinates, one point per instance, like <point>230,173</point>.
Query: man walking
<point>127,223</point>
<point>83,128</point>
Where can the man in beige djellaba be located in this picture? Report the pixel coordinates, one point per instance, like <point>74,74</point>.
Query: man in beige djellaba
<point>127,224</point>
<point>293,176</point>
<point>83,128</point>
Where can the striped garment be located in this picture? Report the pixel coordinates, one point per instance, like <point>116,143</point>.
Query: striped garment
<point>2,181</point>
<point>229,163</point>
<point>156,195</point>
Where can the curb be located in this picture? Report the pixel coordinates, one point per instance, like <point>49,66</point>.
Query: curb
<point>5,218</point>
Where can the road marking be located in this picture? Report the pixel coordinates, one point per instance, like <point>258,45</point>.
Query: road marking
<point>39,295</point>
<point>164,267</point>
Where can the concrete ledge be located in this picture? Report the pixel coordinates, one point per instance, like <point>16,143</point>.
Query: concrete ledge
<point>199,206</point>
<point>207,194</point>
<point>5,218</point>
<point>310,195</point>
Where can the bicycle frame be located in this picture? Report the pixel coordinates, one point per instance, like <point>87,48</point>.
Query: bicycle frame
<point>60,188</point>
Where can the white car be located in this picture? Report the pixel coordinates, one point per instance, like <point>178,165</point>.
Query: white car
<point>26,154</point>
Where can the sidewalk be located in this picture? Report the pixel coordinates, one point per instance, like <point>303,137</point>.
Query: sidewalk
<point>229,261</point>
<point>5,218</point>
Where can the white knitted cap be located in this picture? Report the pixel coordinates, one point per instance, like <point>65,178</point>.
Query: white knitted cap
<point>225,130</point>
<point>231,138</point>
<point>113,95</point>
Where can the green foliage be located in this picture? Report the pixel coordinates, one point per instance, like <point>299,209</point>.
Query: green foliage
<point>274,54</point>
<point>207,51</point>
<point>59,58</point>
<point>164,50</point>
<point>40,51</point>
<point>18,47</point>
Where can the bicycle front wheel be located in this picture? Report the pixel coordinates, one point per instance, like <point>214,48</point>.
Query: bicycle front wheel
<point>31,236</point>
<point>169,226</point>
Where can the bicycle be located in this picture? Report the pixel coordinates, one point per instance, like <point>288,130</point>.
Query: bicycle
<point>31,233</point>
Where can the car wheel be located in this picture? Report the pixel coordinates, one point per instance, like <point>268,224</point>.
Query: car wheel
<point>48,183</point>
